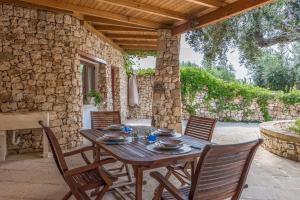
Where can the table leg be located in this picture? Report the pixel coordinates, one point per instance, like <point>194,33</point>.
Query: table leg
<point>138,173</point>
<point>193,166</point>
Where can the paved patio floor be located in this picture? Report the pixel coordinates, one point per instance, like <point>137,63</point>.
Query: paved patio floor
<point>271,177</point>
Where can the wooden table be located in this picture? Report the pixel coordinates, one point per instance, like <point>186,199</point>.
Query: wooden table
<point>140,158</point>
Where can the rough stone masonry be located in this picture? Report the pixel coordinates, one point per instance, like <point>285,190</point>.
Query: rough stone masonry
<point>166,106</point>
<point>39,70</point>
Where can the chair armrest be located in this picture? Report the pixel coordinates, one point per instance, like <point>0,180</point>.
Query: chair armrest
<point>89,167</point>
<point>81,150</point>
<point>168,186</point>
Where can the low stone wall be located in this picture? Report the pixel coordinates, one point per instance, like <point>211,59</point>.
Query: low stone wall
<point>280,141</point>
<point>276,109</point>
<point>238,112</point>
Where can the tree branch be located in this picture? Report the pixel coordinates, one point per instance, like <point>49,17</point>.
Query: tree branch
<point>267,42</point>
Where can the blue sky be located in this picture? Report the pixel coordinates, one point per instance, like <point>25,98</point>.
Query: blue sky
<point>187,54</point>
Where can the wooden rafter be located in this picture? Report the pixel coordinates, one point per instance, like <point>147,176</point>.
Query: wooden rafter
<point>103,21</point>
<point>146,8</point>
<point>26,4</point>
<point>138,47</point>
<point>120,28</point>
<point>94,12</point>
<point>132,36</point>
<point>220,14</point>
<point>208,3</point>
<point>134,42</point>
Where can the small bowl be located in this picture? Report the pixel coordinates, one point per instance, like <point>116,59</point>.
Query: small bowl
<point>115,127</point>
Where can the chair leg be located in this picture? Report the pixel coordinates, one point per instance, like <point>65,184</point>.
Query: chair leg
<point>159,190</point>
<point>102,192</point>
<point>128,173</point>
<point>122,167</point>
<point>67,196</point>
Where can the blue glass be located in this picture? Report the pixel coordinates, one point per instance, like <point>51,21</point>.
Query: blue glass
<point>151,137</point>
<point>127,129</point>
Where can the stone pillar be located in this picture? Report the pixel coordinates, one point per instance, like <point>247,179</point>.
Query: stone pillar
<point>166,108</point>
<point>104,87</point>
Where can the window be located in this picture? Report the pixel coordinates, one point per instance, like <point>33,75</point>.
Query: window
<point>88,79</point>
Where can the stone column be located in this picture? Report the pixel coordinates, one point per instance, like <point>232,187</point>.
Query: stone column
<point>166,108</point>
<point>104,87</point>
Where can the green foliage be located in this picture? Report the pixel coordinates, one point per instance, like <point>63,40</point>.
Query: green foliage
<point>278,70</point>
<point>129,56</point>
<point>96,95</point>
<point>195,80</point>
<point>296,127</point>
<point>225,73</point>
<point>276,23</point>
<point>146,72</point>
<point>188,64</point>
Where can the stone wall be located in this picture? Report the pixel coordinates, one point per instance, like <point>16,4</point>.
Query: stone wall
<point>276,109</point>
<point>39,70</point>
<point>145,89</point>
<point>279,140</point>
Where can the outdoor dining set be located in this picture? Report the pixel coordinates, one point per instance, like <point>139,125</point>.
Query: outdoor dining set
<point>205,170</point>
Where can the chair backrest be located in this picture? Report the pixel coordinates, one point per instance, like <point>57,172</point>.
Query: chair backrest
<point>222,170</point>
<point>200,127</point>
<point>56,150</point>
<point>104,119</point>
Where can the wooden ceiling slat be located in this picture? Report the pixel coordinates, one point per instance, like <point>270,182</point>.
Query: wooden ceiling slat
<point>103,21</point>
<point>95,12</point>
<point>220,14</point>
<point>137,19</point>
<point>128,42</point>
<point>208,3</point>
<point>120,28</point>
<point>146,8</point>
<point>138,47</point>
<point>133,36</point>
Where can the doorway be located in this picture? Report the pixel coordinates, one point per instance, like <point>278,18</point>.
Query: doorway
<point>88,71</point>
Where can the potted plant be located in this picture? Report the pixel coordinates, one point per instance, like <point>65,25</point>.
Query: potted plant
<point>95,97</point>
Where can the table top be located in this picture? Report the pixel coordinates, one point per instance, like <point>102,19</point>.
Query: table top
<point>136,153</point>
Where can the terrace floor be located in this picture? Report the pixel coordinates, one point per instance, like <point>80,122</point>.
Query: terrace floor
<point>27,177</point>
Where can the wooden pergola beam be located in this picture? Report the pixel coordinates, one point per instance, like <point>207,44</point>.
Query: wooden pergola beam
<point>125,47</point>
<point>94,12</point>
<point>134,42</point>
<point>208,3</point>
<point>103,21</point>
<point>146,8</point>
<point>121,28</point>
<point>220,14</point>
<point>132,36</point>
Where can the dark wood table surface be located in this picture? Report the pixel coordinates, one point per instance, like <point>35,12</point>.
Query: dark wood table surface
<point>141,159</point>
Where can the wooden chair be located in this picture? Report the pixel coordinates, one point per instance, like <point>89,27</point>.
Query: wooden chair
<point>81,179</point>
<point>198,127</point>
<point>102,120</point>
<point>220,174</point>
